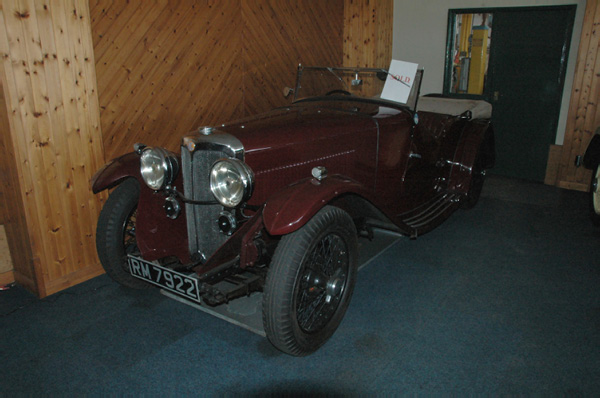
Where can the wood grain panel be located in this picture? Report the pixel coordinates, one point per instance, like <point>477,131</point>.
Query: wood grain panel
<point>279,35</point>
<point>6,265</point>
<point>15,224</point>
<point>368,30</point>
<point>167,67</point>
<point>51,97</point>
<point>584,113</point>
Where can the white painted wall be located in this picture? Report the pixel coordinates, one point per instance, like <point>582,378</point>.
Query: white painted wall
<point>420,29</point>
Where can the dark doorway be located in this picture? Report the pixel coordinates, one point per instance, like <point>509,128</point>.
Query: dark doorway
<point>518,64</point>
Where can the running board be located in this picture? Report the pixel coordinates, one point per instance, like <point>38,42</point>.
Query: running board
<point>432,213</point>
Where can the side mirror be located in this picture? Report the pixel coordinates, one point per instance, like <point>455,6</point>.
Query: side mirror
<point>287,91</point>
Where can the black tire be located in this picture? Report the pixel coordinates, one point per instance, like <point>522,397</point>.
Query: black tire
<point>595,196</point>
<point>310,282</point>
<point>115,233</point>
<point>477,177</point>
<point>477,180</point>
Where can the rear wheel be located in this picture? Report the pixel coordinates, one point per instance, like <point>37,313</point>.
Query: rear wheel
<point>595,196</point>
<point>115,233</point>
<point>310,282</point>
<point>477,180</point>
<point>478,173</point>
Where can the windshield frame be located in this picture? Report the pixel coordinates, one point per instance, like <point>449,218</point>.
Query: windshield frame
<point>411,103</point>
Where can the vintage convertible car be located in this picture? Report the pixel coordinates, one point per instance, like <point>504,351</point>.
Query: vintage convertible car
<point>276,203</point>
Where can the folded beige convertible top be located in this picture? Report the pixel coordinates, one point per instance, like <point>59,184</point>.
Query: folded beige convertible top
<point>455,107</point>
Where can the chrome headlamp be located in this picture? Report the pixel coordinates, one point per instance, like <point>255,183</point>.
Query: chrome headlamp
<point>231,181</point>
<point>158,167</point>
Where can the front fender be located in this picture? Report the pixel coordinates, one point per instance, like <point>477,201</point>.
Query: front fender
<point>292,207</point>
<point>115,171</point>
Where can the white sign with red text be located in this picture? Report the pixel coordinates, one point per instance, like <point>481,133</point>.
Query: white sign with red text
<point>401,76</point>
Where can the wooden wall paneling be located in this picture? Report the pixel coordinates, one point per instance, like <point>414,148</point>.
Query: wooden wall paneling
<point>385,31</point>
<point>7,275</point>
<point>3,210</point>
<point>16,88</point>
<point>5,159</point>
<point>584,115</point>
<point>51,110</point>
<point>204,75</point>
<point>368,30</point>
<point>278,36</point>
<point>85,133</point>
<point>585,130</point>
<point>79,119</point>
<point>38,121</point>
<point>214,71</point>
<point>117,62</point>
<point>108,19</point>
<point>180,70</point>
<point>65,135</point>
<point>202,63</point>
<point>15,223</point>
<point>139,84</point>
<point>51,94</point>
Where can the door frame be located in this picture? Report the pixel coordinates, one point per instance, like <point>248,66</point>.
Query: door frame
<point>450,31</point>
<point>487,93</point>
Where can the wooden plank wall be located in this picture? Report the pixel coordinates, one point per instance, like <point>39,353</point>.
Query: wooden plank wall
<point>6,159</point>
<point>7,275</point>
<point>165,68</point>
<point>279,35</point>
<point>50,89</point>
<point>13,231</point>
<point>368,31</point>
<point>584,112</point>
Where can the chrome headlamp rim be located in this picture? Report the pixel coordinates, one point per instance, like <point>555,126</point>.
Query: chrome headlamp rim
<point>158,167</point>
<point>232,167</point>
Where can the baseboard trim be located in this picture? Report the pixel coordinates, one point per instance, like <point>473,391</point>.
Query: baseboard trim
<point>577,186</point>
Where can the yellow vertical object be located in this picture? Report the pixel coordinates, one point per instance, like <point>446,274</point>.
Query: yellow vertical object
<point>465,32</point>
<point>478,66</point>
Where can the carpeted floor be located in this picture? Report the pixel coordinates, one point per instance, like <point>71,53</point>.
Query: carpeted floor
<point>501,299</point>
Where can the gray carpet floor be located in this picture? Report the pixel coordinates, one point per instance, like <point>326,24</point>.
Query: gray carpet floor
<point>501,299</point>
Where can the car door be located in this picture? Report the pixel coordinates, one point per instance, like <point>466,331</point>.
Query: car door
<point>399,168</point>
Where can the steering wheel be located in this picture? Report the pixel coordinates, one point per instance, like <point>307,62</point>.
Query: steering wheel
<point>338,92</point>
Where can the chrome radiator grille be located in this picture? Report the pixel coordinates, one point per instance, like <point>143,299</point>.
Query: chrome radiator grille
<point>203,231</point>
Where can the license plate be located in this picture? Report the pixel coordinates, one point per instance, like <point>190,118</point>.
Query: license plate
<point>166,278</point>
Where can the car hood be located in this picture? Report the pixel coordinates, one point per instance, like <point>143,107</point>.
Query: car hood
<point>282,146</point>
<point>293,125</point>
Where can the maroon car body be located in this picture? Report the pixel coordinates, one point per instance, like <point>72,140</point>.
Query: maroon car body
<point>382,163</point>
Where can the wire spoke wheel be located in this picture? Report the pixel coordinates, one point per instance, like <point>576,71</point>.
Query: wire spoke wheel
<point>310,282</point>
<point>322,283</point>
<point>129,240</point>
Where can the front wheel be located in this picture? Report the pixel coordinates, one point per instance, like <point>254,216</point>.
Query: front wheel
<point>595,196</point>
<point>310,282</point>
<point>115,233</point>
